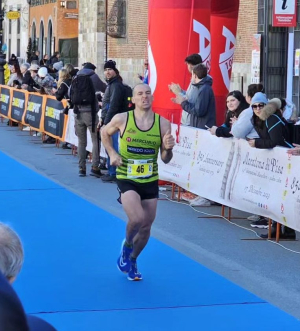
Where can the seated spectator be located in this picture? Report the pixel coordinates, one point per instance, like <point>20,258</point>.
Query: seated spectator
<point>15,74</point>
<point>44,80</point>
<point>235,103</point>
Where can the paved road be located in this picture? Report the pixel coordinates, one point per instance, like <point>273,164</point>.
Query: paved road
<point>262,268</point>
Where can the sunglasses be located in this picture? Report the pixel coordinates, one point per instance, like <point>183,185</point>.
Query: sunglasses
<point>259,106</point>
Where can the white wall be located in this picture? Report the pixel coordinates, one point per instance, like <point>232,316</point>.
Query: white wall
<point>11,39</point>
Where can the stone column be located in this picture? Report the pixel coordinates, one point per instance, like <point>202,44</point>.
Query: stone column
<point>92,33</point>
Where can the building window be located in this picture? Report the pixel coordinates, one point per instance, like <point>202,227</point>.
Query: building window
<point>71,5</point>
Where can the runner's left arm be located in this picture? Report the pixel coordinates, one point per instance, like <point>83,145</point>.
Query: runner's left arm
<point>168,141</point>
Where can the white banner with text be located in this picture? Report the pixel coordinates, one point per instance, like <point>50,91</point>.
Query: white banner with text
<point>230,172</point>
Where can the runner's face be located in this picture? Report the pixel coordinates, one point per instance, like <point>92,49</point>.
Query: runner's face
<point>142,97</point>
<point>232,103</point>
<point>109,73</point>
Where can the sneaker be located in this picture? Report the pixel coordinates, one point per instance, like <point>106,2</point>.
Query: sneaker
<point>200,202</point>
<point>123,262</point>
<point>82,172</point>
<point>262,223</point>
<point>108,178</point>
<point>253,218</point>
<point>66,146</point>
<point>26,128</point>
<point>95,171</point>
<point>133,273</point>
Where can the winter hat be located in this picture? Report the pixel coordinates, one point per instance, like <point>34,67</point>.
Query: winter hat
<point>277,102</point>
<point>89,65</point>
<point>43,72</point>
<point>259,97</point>
<point>110,64</point>
<point>58,65</point>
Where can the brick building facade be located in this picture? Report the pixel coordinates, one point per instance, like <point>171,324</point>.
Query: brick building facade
<point>54,26</point>
<point>129,52</point>
<point>247,27</point>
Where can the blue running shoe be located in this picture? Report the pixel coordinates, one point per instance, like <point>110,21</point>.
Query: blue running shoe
<point>124,262</point>
<point>133,273</point>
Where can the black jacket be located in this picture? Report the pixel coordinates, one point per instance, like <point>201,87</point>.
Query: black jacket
<point>271,128</point>
<point>113,100</point>
<point>63,91</point>
<point>27,79</point>
<point>201,105</point>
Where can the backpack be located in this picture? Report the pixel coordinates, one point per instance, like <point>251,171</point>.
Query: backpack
<point>128,96</point>
<point>82,91</point>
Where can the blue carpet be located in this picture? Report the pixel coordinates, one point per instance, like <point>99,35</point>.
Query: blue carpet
<point>71,248</point>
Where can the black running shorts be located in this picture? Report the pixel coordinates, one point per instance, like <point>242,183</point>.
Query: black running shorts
<point>144,190</point>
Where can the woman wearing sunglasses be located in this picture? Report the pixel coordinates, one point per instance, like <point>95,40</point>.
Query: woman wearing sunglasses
<point>235,104</point>
<point>269,124</point>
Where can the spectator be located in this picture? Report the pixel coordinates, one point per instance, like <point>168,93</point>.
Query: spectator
<point>33,69</point>
<point>15,75</point>
<point>35,57</point>
<point>144,78</point>
<point>54,58</point>
<point>113,103</point>
<point>272,130</point>
<point>235,104</point>
<point>63,85</point>
<point>27,79</point>
<point>268,123</point>
<point>11,253</point>
<point>13,60</point>
<point>201,103</point>
<point>44,80</point>
<point>191,61</point>
<point>86,115</point>
<point>243,126</point>
<point>69,67</point>
<point>57,67</point>
<point>44,61</point>
<point>202,109</point>
<point>12,316</point>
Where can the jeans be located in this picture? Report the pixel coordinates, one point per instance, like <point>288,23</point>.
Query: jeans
<point>112,170</point>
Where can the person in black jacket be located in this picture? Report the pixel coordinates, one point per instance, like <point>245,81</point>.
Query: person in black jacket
<point>113,103</point>
<point>269,124</point>
<point>235,104</point>
<point>27,80</point>
<point>63,85</point>
<point>273,131</point>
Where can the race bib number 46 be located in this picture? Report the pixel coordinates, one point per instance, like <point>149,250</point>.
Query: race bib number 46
<point>139,168</point>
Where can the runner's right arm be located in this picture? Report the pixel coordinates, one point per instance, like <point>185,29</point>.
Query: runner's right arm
<point>116,124</point>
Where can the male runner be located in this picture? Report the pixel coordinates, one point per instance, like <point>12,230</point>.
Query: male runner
<point>142,134</point>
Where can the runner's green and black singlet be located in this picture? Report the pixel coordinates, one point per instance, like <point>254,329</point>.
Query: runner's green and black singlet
<point>139,150</point>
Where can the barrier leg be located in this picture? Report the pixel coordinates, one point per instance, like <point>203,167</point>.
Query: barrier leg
<point>173,191</point>
<point>57,143</point>
<point>270,229</point>
<point>278,232</point>
<point>229,213</point>
<point>179,194</point>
